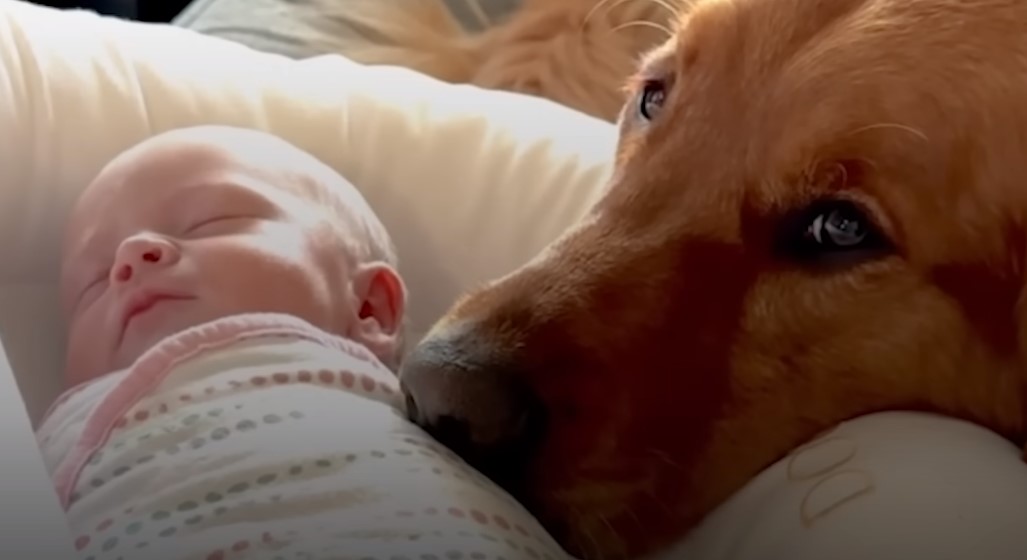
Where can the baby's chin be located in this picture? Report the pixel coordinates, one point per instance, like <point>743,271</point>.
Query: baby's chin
<point>151,328</point>
<point>86,365</point>
<point>133,347</point>
<point>94,354</point>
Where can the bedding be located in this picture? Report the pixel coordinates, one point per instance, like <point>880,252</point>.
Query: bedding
<point>261,434</point>
<point>886,486</point>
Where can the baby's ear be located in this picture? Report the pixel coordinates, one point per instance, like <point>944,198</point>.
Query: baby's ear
<point>380,297</point>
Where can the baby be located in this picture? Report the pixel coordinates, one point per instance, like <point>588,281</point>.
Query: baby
<point>234,308</point>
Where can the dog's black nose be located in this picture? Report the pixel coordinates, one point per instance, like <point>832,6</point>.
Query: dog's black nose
<point>469,396</point>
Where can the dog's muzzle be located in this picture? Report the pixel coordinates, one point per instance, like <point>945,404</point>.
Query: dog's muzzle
<point>466,393</point>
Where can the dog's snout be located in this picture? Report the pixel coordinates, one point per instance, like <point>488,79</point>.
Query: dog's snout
<point>467,394</point>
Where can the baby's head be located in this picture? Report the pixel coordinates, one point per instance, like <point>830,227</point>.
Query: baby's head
<point>200,223</point>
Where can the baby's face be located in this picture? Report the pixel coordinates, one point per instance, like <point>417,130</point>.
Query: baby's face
<point>167,240</point>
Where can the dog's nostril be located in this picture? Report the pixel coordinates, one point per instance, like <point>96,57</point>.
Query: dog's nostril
<point>454,431</point>
<point>472,401</point>
<point>411,404</point>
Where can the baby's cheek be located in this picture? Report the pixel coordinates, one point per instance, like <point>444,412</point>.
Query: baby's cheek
<point>87,354</point>
<point>280,286</point>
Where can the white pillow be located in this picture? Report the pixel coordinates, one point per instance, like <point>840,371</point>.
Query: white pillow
<point>470,182</point>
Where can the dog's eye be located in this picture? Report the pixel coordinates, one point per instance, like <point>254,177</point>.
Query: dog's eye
<point>654,93</point>
<point>840,228</point>
<point>832,229</point>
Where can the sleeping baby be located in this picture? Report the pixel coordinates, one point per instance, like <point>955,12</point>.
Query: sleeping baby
<point>234,311</point>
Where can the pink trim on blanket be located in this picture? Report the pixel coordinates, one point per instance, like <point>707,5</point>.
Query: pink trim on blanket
<point>63,399</point>
<point>154,365</point>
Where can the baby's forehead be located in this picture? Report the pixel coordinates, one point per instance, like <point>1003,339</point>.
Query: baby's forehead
<point>171,167</point>
<point>177,162</point>
<point>212,165</point>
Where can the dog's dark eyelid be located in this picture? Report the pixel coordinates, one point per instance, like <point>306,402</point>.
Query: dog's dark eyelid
<point>795,242</point>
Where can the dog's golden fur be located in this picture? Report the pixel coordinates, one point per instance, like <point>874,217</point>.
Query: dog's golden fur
<point>680,341</point>
<point>574,52</point>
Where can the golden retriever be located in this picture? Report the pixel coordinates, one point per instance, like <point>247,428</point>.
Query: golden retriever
<point>818,212</point>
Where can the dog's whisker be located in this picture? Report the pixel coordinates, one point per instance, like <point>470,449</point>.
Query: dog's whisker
<point>642,23</point>
<point>809,173</point>
<point>681,8</point>
<point>869,162</point>
<point>844,170</point>
<point>675,12</point>
<point>586,533</point>
<point>896,126</point>
<point>598,6</point>
<point>634,517</point>
<point>638,522</point>
<point>664,458</point>
<point>609,527</point>
<point>655,498</point>
<point>613,4</point>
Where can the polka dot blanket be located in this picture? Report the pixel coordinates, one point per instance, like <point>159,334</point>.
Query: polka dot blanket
<point>261,437</point>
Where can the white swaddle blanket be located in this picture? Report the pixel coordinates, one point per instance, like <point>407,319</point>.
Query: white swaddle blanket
<point>260,436</point>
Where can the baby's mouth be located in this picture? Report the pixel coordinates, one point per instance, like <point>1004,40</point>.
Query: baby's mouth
<point>141,303</point>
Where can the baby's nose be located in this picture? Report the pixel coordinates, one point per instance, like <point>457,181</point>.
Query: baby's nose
<point>469,395</point>
<point>140,252</point>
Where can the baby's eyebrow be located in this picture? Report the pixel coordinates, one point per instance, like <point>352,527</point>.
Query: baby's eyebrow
<point>224,192</point>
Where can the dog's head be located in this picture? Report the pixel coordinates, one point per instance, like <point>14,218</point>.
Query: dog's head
<point>816,213</point>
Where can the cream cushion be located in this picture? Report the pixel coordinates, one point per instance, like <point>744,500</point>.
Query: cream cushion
<point>886,486</point>
<point>470,182</point>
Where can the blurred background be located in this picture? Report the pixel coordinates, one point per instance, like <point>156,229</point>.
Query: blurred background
<point>142,10</point>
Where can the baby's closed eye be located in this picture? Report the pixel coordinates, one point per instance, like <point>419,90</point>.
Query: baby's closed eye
<point>218,225</point>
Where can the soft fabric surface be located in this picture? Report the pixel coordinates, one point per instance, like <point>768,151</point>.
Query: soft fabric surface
<point>260,436</point>
<point>888,486</point>
<point>471,183</point>
<point>313,27</point>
